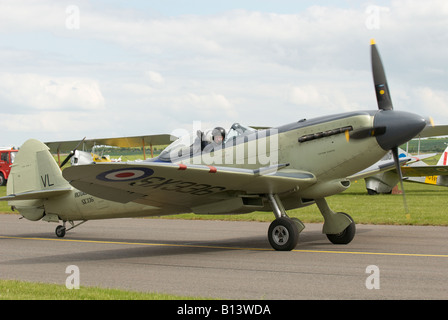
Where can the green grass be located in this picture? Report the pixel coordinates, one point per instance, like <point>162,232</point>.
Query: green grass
<point>22,290</point>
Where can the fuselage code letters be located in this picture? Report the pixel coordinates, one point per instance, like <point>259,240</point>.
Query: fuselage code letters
<point>165,184</point>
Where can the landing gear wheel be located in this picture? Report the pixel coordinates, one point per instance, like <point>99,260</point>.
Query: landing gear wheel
<point>283,234</point>
<point>346,236</point>
<point>60,231</point>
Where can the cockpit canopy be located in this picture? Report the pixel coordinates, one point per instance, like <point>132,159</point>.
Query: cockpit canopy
<point>189,145</point>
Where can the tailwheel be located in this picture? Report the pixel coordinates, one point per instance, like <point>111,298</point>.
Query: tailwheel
<point>346,236</point>
<point>283,234</point>
<point>60,231</point>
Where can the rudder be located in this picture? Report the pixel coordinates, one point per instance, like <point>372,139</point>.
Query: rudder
<point>34,169</point>
<point>34,176</point>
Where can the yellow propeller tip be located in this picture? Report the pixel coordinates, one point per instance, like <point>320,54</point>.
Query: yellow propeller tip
<point>431,121</point>
<point>408,216</point>
<point>372,41</point>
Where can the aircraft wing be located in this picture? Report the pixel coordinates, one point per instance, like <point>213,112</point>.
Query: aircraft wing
<point>433,131</point>
<point>425,171</point>
<point>183,186</point>
<point>389,165</point>
<point>380,166</point>
<point>122,142</point>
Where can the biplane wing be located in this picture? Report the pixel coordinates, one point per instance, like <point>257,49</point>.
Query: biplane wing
<point>122,142</point>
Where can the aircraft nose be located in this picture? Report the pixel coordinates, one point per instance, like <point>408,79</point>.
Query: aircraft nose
<point>401,126</point>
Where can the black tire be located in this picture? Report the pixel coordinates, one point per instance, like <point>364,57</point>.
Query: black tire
<point>2,180</point>
<point>283,234</point>
<point>60,231</point>
<point>346,236</point>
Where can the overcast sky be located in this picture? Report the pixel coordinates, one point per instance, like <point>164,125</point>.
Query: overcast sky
<point>70,69</point>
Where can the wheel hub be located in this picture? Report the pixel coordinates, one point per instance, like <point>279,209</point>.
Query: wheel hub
<point>280,235</point>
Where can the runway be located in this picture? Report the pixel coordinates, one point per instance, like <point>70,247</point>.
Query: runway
<point>229,260</point>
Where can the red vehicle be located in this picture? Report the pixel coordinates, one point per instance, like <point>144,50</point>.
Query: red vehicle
<point>7,156</point>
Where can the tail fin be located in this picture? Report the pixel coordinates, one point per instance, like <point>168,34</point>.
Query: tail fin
<point>33,177</point>
<point>34,169</point>
<point>443,161</point>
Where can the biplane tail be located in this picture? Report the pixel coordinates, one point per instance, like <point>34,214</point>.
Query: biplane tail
<point>34,176</point>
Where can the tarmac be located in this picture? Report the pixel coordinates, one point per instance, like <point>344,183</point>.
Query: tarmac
<point>229,260</point>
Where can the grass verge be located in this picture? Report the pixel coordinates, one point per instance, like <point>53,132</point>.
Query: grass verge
<point>22,290</point>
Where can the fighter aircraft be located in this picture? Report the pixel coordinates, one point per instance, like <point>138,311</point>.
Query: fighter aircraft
<point>219,172</point>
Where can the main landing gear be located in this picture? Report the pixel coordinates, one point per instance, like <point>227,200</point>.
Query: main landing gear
<point>283,233</point>
<point>61,230</point>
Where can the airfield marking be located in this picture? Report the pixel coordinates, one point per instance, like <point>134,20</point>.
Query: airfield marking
<point>230,248</point>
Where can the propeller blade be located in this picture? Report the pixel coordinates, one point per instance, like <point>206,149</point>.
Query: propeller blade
<point>379,79</point>
<point>400,175</point>
<point>72,153</point>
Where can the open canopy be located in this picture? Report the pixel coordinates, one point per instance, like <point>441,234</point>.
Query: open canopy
<point>191,144</point>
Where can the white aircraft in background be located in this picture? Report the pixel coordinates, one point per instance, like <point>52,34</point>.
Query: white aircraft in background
<point>421,172</point>
<point>387,177</point>
<point>382,177</point>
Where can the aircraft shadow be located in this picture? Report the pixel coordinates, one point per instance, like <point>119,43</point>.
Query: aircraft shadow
<point>149,248</point>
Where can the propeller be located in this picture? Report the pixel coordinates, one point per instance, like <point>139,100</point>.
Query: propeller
<point>72,153</point>
<point>379,79</point>
<point>400,176</point>
<point>365,133</point>
<point>385,103</point>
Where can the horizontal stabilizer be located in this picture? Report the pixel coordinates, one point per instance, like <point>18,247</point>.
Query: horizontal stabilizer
<point>33,195</point>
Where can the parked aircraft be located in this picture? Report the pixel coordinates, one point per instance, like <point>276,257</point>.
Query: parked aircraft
<point>382,177</point>
<point>224,172</point>
<point>428,174</point>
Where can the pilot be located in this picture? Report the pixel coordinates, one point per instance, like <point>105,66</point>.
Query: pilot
<point>218,135</point>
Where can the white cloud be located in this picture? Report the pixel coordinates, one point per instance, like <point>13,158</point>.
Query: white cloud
<point>154,73</point>
<point>207,107</point>
<point>155,77</point>
<point>50,93</point>
<point>434,102</point>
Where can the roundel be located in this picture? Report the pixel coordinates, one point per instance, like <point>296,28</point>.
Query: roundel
<point>127,174</point>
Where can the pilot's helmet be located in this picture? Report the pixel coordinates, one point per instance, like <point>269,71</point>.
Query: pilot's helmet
<point>219,134</point>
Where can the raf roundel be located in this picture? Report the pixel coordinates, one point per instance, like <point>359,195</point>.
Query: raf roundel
<point>123,175</point>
